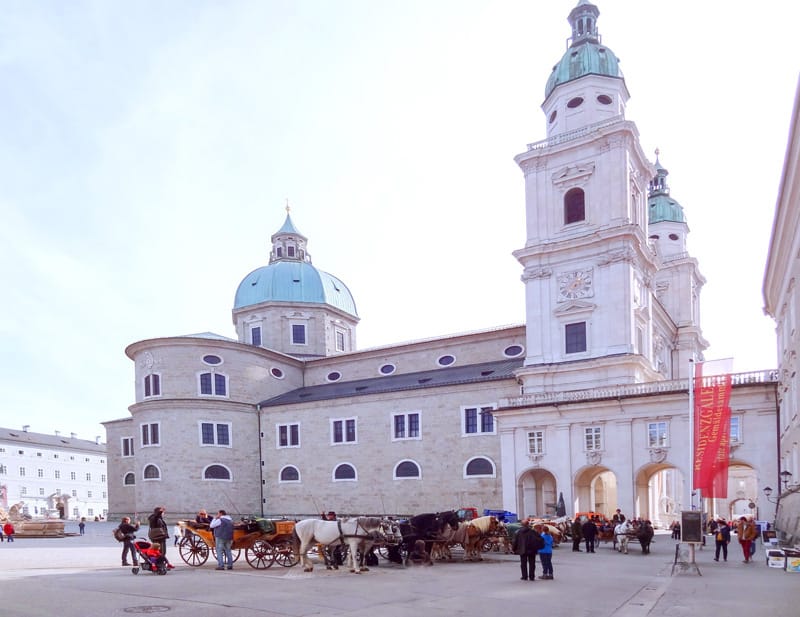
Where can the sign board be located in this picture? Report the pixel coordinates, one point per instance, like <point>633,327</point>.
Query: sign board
<point>691,526</point>
<point>767,535</point>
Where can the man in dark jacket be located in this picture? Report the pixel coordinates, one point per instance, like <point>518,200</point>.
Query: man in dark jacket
<point>129,531</point>
<point>577,535</point>
<point>222,526</point>
<point>526,544</point>
<point>589,530</point>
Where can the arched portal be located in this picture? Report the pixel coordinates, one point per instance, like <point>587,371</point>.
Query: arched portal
<point>595,490</point>
<point>537,495</point>
<point>742,498</point>
<point>659,493</point>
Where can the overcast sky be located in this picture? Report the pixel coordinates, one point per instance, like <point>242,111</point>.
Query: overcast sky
<point>147,149</point>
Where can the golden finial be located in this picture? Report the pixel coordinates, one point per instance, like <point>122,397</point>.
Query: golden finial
<point>287,206</point>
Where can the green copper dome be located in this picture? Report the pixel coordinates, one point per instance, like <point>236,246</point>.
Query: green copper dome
<point>660,206</point>
<point>586,54</point>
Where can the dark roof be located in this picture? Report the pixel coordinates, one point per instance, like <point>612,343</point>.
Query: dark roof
<point>50,441</point>
<point>473,373</point>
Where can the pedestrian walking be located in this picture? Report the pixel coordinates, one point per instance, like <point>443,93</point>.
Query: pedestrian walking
<point>589,530</point>
<point>82,525</point>
<point>746,531</point>
<point>177,532</point>
<point>577,535</point>
<point>222,525</point>
<point>526,544</point>
<point>9,530</point>
<point>721,540</point>
<point>546,552</point>
<point>128,530</point>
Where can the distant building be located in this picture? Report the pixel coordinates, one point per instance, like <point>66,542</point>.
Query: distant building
<point>52,475</point>
<point>782,303</point>
<point>588,398</point>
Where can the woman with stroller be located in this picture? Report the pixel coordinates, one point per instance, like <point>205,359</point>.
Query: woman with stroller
<point>158,532</point>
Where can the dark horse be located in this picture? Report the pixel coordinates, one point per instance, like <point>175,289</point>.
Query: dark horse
<point>429,527</point>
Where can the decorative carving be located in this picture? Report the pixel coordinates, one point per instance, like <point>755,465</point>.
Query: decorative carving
<point>622,255</point>
<point>571,173</point>
<point>536,273</point>
<point>593,457</point>
<point>535,458</point>
<point>658,455</point>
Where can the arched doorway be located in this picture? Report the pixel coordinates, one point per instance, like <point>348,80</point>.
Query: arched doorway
<point>536,493</point>
<point>742,499</point>
<point>659,494</point>
<point>595,490</point>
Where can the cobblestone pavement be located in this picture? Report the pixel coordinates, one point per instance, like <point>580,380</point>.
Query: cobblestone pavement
<point>80,577</point>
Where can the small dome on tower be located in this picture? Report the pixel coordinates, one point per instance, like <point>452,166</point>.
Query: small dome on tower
<point>660,206</point>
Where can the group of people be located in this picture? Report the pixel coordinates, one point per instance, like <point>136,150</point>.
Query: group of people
<point>529,542</point>
<point>746,531</point>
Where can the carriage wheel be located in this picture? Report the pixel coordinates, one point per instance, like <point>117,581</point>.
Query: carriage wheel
<point>285,555</point>
<point>194,551</point>
<point>235,553</point>
<point>261,555</point>
<point>487,545</point>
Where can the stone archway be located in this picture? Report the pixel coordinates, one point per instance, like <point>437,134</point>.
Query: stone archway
<point>658,496</point>
<point>743,491</point>
<point>536,493</point>
<point>595,490</point>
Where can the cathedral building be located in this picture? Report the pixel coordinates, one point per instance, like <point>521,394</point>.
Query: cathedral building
<point>587,400</point>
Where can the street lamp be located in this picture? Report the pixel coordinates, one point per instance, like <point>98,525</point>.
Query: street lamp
<point>768,492</point>
<point>785,476</point>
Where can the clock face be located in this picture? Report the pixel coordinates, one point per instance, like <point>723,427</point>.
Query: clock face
<point>576,284</point>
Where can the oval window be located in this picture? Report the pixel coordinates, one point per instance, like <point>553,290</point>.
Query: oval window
<point>212,360</point>
<point>446,360</point>
<point>604,99</point>
<point>673,236</point>
<point>512,351</point>
<point>576,102</point>
<point>334,376</point>
<point>553,117</point>
<point>276,372</point>
<point>387,369</point>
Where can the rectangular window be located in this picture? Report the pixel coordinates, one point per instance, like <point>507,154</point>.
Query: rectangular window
<point>127,446</point>
<point>406,425</point>
<point>57,474</point>
<point>73,475</point>
<point>41,491</point>
<point>656,434</point>
<point>21,472</point>
<point>88,494</point>
<point>736,429</point>
<point>213,434</point>
<point>88,477</point>
<point>575,337</point>
<point>150,435</point>
<point>298,334</point>
<point>339,340</point>
<point>535,442</point>
<point>213,384</point>
<point>593,438</point>
<point>343,431</point>
<point>40,473</point>
<point>3,470</point>
<point>102,477</point>
<point>288,435</point>
<point>152,385</point>
<point>255,335</point>
<point>478,420</point>
<point>23,490</point>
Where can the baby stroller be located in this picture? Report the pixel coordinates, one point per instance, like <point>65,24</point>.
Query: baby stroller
<point>150,558</point>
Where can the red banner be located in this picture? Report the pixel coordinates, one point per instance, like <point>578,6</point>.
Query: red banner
<point>712,433</point>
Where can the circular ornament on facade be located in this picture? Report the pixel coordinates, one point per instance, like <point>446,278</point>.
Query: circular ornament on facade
<point>575,102</point>
<point>387,369</point>
<point>276,372</point>
<point>446,360</point>
<point>334,376</point>
<point>212,360</point>
<point>513,351</point>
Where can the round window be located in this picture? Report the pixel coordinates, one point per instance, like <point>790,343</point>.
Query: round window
<point>512,351</point>
<point>604,99</point>
<point>576,102</point>
<point>387,369</point>
<point>334,376</point>
<point>446,360</point>
<point>212,360</point>
<point>673,236</point>
<point>276,372</point>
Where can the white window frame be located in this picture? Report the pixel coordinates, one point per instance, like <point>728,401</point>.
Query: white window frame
<point>215,429</point>
<point>253,329</point>
<point>146,479</point>
<point>662,437</point>
<point>213,384</point>
<point>299,476</point>
<point>406,415</point>
<point>536,442</point>
<point>148,437</point>
<point>203,473</point>
<point>340,339</point>
<point>288,426</point>
<point>401,478</point>
<point>130,443</point>
<point>480,410</point>
<point>473,476</point>
<point>596,434</point>
<point>344,422</point>
<point>147,383</point>
<point>736,435</point>
<point>337,465</point>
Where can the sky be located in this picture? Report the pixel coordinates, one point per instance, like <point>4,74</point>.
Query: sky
<point>148,150</point>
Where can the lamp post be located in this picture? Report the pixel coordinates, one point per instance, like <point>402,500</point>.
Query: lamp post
<point>785,477</point>
<point>777,502</point>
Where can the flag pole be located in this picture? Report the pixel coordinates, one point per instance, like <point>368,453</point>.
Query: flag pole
<point>691,453</point>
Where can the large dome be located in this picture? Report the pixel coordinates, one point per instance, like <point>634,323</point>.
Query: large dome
<point>586,54</point>
<point>294,282</point>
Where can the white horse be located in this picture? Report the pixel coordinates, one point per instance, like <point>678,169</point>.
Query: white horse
<point>358,533</point>
<point>621,536</point>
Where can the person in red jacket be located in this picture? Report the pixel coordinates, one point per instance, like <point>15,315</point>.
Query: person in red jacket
<point>9,530</point>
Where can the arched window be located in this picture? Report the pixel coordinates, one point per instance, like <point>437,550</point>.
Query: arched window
<point>406,469</point>
<point>216,472</point>
<point>479,467</point>
<point>289,474</point>
<point>151,472</point>
<point>344,472</point>
<point>130,479</point>
<point>574,206</point>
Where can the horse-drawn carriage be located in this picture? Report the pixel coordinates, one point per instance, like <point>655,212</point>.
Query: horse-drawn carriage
<point>264,542</point>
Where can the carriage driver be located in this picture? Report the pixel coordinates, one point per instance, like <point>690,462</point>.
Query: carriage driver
<point>618,518</point>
